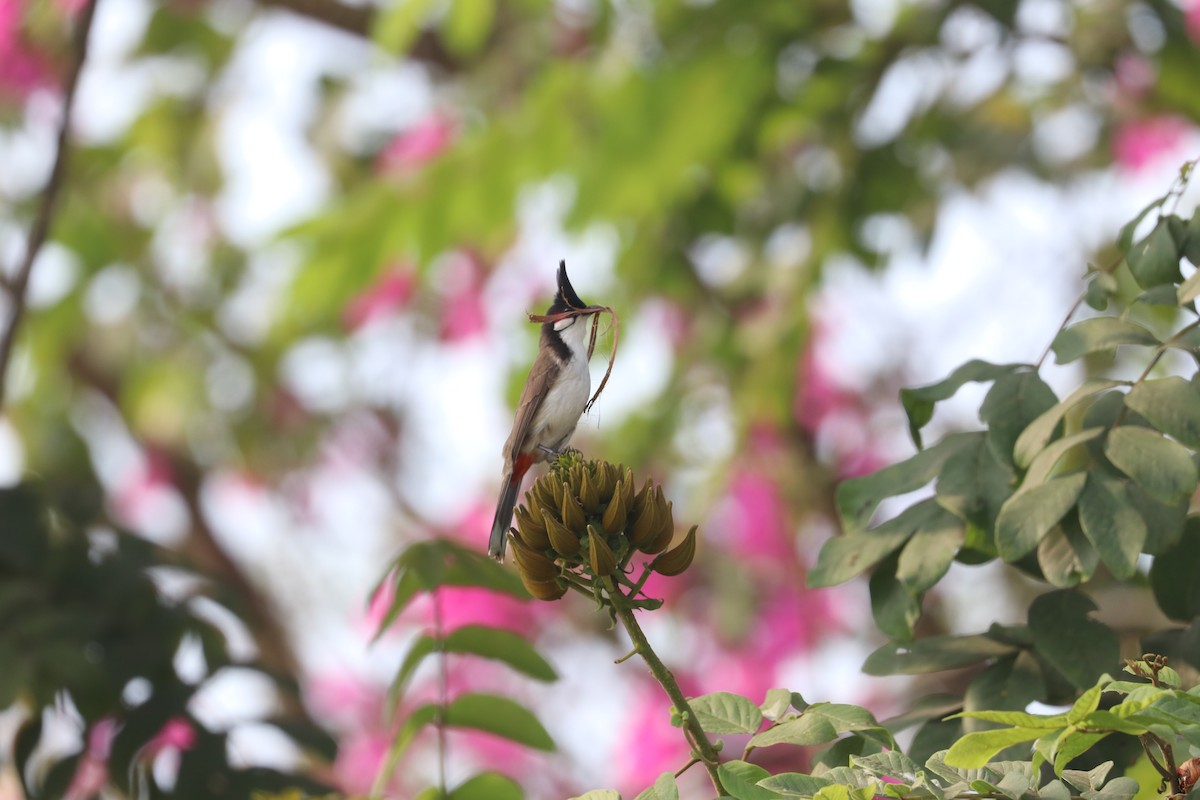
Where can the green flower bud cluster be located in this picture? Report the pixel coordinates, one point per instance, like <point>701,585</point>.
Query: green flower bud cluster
<point>588,518</point>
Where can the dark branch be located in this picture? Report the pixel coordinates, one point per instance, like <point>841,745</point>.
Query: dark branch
<point>44,219</point>
<point>351,19</point>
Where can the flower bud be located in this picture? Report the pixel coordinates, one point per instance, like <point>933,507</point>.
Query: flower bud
<point>665,520</point>
<point>615,516</point>
<point>531,526</point>
<point>589,496</point>
<point>678,558</point>
<point>644,526</point>
<point>600,556</point>
<point>572,514</point>
<point>531,563</point>
<point>606,480</point>
<point>562,539</point>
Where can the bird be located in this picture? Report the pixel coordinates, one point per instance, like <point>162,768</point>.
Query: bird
<point>554,397</point>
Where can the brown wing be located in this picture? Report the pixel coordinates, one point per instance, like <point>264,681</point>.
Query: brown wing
<point>542,375</point>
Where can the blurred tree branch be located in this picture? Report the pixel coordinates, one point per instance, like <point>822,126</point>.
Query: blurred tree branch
<point>351,19</point>
<point>44,219</point>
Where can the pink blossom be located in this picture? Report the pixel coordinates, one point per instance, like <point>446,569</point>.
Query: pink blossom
<point>1134,74</point>
<point>1139,143</point>
<point>177,734</point>
<point>464,315</point>
<point>1192,19</point>
<point>758,522</point>
<point>91,773</point>
<point>652,744</point>
<point>416,146</point>
<point>387,295</point>
<point>359,759</point>
<point>346,700</point>
<point>143,487</point>
<point>21,68</point>
<point>70,7</point>
<point>468,605</point>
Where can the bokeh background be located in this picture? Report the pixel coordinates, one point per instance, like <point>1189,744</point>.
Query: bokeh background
<point>278,325</point>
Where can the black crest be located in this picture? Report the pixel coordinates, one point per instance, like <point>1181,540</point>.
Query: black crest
<point>566,298</point>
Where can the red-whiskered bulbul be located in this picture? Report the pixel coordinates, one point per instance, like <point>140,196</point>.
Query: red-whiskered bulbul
<point>554,397</point>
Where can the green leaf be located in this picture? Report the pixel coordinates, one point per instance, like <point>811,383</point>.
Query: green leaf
<point>741,780</point>
<point>857,498</point>
<point>1172,405</point>
<point>725,712</point>
<point>500,716</point>
<point>1108,721</point>
<point>1046,462</point>
<point>1073,643</point>
<point>1013,402</point>
<point>894,607</point>
<point>934,654</point>
<point>397,27</point>
<point>975,749</point>
<point>1010,684</point>
<point>776,704</point>
<point>1090,779</point>
<point>1155,259</point>
<point>1035,437</point>
<point>1122,788</point>
<point>489,786</point>
<point>1087,702</point>
<point>843,557</point>
<point>790,784</point>
<point>892,764</point>
<point>1100,288</point>
<point>1189,290</point>
<point>1173,575</point>
<point>1072,744</point>
<point>928,554</point>
<point>1163,467</point>
<point>1066,557</point>
<point>598,794</point>
<point>974,482</point>
<point>918,403</point>
<point>427,565</point>
<point>501,645</point>
<point>807,729</point>
<point>664,788</point>
<point>1018,719</point>
<point>1112,523</point>
<point>1029,515</point>
<point>1125,239</point>
<point>1096,334</point>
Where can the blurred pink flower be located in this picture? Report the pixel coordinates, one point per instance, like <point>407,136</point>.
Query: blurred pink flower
<point>387,295</point>
<point>1133,73</point>
<point>468,605</point>
<point>345,700</point>
<point>142,488</point>
<point>177,734</point>
<point>1191,13</point>
<point>757,523</point>
<point>493,752</point>
<point>416,146</point>
<point>91,773</point>
<point>22,69</point>
<point>652,744</point>
<point>70,7</point>
<point>463,312</point>
<point>1139,143</point>
<point>358,760</point>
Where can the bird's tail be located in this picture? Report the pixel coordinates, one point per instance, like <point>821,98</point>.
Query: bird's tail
<point>504,513</point>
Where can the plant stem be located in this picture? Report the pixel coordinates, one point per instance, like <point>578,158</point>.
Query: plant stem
<point>705,751</point>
